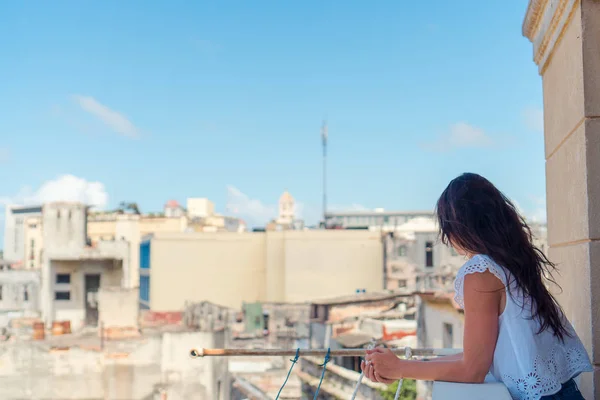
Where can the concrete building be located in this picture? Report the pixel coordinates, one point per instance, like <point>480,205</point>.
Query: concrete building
<point>131,228</point>
<point>155,366</point>
<point>14,230</point>
<point>72,271</point>
<point>416,259</point>
<point>353,322</point>
<point>19,294</point>
<point>33,243</point>
<point>287,209</point>
<point>378,218</point>
<point>173,209</point>
<point>200,207</point>
<point>216,223</point>
<point>440,326</point>
<point>566,36</point>
<point>286,218</point>
<point>231,268</point>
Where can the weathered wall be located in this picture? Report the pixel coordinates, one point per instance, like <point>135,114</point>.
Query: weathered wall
<point>74,309</point>
<point>29,372</point>
<point>292,266</point>
<point>19,290</point>
<point>118,307</point>
<point>432,318</point>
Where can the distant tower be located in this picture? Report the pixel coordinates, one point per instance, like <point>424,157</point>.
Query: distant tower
<point>287,208</point>
<point>324,140</point>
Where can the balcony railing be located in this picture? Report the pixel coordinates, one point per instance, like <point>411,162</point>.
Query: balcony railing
<point>340,382</point>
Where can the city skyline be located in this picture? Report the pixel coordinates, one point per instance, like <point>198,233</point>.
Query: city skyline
<point>148,102</point>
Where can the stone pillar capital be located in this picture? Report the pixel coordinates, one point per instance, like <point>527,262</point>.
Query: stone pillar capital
<point>544,25</point>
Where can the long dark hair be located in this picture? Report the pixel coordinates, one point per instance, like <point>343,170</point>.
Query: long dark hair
<point>475,216</point>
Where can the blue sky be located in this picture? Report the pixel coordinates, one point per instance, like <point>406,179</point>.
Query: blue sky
<point>151,100</point>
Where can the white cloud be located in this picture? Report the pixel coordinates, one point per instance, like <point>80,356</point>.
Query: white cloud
<point>257,213</point>
<point>253,211</point>
<point>461,135</point>
<point>533,118</point>
<point>115,120</point>
<point>63,188</point>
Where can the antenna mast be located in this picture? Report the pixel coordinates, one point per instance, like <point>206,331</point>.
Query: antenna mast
<point>324,141</point>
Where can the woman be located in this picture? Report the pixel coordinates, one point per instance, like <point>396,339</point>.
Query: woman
<point>515,330</point>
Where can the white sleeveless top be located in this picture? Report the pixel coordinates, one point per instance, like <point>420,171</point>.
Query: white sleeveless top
<point>531,365</point>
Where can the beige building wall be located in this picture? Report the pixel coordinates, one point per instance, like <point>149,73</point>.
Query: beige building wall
<point>232,268</point>
<point>224,268</point>
<point>200,207</point>
<point>149,225</point>
<point>328,263</point>
<point>101,229</point>
<point>566,42</point>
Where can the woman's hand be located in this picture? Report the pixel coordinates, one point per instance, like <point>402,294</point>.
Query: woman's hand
<point>382,366</point>
<point>372,375</point>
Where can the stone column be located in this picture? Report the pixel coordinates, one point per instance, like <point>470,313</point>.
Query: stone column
<point>566,43</point>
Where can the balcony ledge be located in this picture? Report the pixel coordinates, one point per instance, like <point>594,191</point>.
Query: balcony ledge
<point>456,391</point>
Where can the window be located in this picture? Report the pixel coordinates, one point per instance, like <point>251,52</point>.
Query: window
<point>62,295</point>
<point>0,293</point>
<point>402,283</point>
<point>448,339</point>
<point>25,294</point>
<point>63,278</point>
<point>145,288</point>
<point>429,254</point>
<point>402,251</point>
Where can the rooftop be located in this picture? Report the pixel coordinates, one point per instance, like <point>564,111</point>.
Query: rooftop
<point>360,298</point>
<point>376,212</point>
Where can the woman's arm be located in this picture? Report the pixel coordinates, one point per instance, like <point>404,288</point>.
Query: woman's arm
<point>483,296</point>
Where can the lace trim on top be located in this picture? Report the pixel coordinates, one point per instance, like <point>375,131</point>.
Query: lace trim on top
<point>477,264</point>
<point>548,373</point>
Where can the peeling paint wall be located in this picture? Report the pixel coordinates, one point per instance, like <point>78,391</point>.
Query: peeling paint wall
<point>137,371</point>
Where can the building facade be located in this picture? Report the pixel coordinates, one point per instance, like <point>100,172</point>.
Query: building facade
<point>232,268</point>
<point>19,294</point>
<point>372,219</point>
<point>440,326</point>
<point>200,207</point>
<point>72,271</point>
<point>416,259</point>
<point>287,209</point>
<point>14,230</point>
